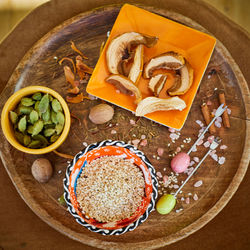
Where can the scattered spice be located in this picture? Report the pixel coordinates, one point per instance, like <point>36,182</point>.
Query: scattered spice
<point>207,117</point>
<point>101,47</point>
<point>76,117</point>
<point>82,67</point>
<point>66,156</point>
<point>73,46</point>
<point>70,60</point>
<point>225,116</point>
<point>76,99</point>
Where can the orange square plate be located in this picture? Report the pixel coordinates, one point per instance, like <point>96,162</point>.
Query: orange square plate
<point>195,46</point>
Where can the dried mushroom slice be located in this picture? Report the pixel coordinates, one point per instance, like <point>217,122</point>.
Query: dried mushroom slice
<point>125,86</point>
<point>152,104</point>
<point>156,83</point>
<point>169,60</point>
<point>118,46</point>
<point>137,66</point>
<point>183,82</point>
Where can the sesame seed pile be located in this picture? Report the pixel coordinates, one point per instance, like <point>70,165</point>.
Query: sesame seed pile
<point>110,189</point>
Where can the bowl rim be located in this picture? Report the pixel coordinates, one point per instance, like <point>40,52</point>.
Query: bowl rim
<point>141,218</point>
<point>12,102</point>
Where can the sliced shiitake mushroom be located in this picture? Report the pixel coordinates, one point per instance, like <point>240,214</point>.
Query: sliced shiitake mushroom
<point>183,81</point>
<point>152,104</point>
<point>169,60</point>
<point>122,44</point>
<point>137,66</point>
<point>156,83</point>
<point>125,86</point>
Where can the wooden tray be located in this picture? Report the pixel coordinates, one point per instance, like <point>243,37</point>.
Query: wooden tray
<point>88,30</point>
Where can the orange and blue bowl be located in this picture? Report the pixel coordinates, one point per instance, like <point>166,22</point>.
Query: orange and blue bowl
<point>119,149</point>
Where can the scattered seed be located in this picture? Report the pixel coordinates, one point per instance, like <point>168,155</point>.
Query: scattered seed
<point>206,144</point>
<point>187,200</point>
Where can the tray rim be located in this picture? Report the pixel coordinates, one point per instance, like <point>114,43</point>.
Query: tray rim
<point>193,227</point>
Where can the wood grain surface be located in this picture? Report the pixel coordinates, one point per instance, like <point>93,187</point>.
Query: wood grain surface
<point>38,66</point>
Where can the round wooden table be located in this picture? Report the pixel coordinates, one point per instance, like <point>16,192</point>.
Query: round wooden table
<point>21,228</point>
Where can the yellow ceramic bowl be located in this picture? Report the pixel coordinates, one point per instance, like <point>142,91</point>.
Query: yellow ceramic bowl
<point>7,126</point>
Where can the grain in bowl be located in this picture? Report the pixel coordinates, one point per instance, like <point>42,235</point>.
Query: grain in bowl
<point>110,188</point>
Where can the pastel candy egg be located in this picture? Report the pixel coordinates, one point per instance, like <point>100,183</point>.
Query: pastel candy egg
<point>165,204</point>
<point>180,162</point>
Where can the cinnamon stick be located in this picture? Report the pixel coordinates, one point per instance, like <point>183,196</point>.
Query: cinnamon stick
<point>207,117</point>
<point>66,156</point>
<point>225,117</point>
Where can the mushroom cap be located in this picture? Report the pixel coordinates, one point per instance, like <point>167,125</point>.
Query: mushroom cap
<point>152,104</point>
<point>156,83</point>
<point>169,60</point>
<point>118,45</point>
<point>184,82</point>
<point>125,86</point>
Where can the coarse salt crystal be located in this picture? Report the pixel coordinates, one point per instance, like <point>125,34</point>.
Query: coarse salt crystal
<point>113,132</point>
<point>206,144</point>
<point>157,158</point>
<point>117,91</point>
<point>196,159</point>
<point>173,136</point>
<point>85,144</point>
<point>187,200</point>
<point>229,111</point>
<point>217,124</point>
<point>210,138</point>
<point>160,151</point>
<point>144,142</point>
<point>178,149</point>
<point>175,186</point>
<point>223,147</point>
<point>165,179</point>
<point>60,171</point>
<point>194,149</point>
<point>159,174</point>
<point>209,103</point>
<point>199,142</point>
<point>143,137</point>
<point>182,198</point>
<point>134,135</point>
<point>135,142</point>
<point>213,112</point>
<point>221,160</point>
<point>213,152</point>
<point>219,119</point>
<point>198,183</point>
<point>164,169</point>
<point>195,197</point>
<point>171,130</point>
<point>200,123</point>
<point>214,157</point>
<point>191,163</point>
<point>209,76</point>
<point>132,122</point>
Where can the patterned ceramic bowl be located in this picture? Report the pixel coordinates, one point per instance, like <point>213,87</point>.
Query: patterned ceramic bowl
<point>114,148</point>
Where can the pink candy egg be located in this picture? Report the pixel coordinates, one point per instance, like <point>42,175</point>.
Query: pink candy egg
<point>180,162</point>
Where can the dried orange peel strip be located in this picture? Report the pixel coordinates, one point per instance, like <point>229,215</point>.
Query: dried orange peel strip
<point>73,46</point>
<point>70,60</point>
<point>76,99</point>
<point>66,156</point>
